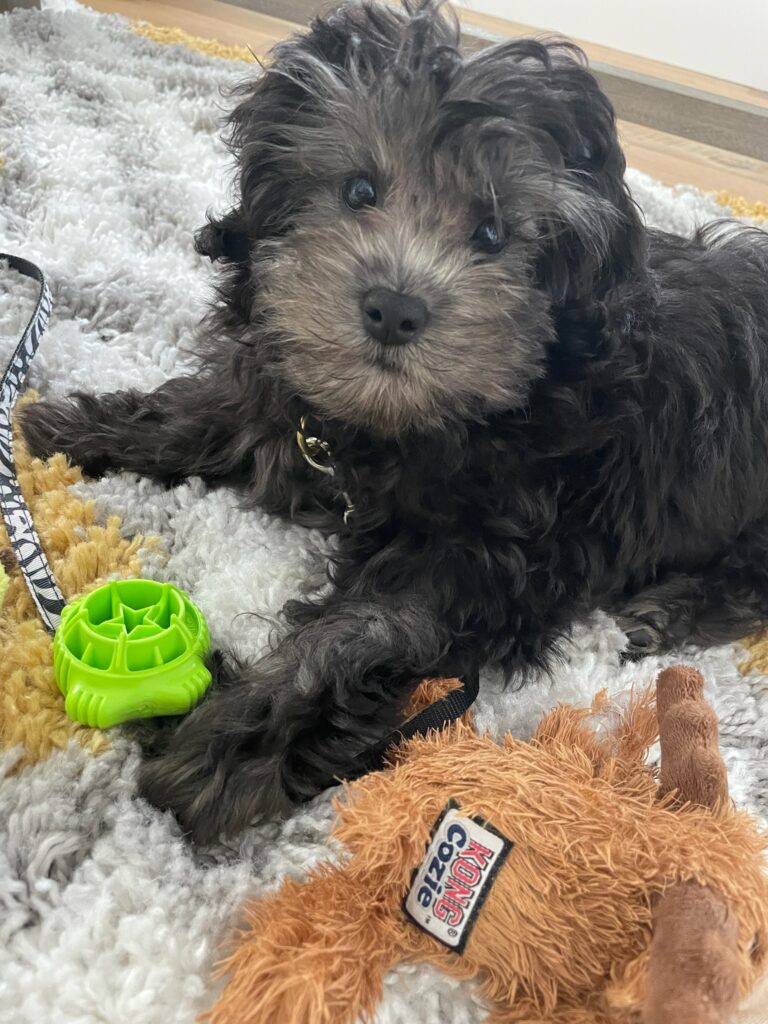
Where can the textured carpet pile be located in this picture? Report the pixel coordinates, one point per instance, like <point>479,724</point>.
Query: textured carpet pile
<point>108,160</point>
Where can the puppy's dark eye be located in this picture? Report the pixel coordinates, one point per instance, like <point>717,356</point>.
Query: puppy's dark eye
<point>488,236</point>
<point>358,192</point>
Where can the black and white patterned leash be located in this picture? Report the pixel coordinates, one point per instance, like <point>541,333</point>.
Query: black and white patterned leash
<point>18,520</point>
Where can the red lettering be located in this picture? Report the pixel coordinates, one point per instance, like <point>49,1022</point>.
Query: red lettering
<point>454,890</point>
<point>481,854</point>
<point>446,910</point>
<point>465,872</point>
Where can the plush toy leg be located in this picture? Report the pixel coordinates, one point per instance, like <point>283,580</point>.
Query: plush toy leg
<point>694,969</point>
<point>690,756</point>
<point>316,953</point>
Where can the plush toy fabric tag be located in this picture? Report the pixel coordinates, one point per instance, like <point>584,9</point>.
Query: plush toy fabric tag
<point>451,884</point>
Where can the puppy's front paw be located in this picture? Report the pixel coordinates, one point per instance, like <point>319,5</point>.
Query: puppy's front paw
<point>213,798</point>
<point>220,768</point>
<point>65,426</point>
<point>40,425</point>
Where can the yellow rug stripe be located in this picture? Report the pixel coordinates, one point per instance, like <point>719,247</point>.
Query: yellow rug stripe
<point>741,207</point>
<point>211,47</point>
<point>82,554</point>
<point>757,648</point>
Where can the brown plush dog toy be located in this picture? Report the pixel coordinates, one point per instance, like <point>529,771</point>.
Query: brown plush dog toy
<point>573,885</point>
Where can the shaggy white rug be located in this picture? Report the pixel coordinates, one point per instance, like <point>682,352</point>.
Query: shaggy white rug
<point>109,157</point>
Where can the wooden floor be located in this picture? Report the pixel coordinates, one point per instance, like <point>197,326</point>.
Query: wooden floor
<point>668,157</point>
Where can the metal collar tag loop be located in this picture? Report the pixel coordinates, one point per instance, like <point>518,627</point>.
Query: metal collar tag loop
<point>317,453</point>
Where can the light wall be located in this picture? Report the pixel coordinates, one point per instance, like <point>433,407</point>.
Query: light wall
<point>724,39</point>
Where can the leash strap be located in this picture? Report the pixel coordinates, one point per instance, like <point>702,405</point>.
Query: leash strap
<point>436,716</point>
<point>18,520</point>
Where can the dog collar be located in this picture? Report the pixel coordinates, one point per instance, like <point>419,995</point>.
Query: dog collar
<point>317,453</point>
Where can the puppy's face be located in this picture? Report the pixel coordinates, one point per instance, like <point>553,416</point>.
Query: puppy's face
<point>408,221</point>
<point>400,293</point>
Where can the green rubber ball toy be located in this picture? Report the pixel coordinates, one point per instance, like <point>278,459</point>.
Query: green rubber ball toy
<point>131,649</point>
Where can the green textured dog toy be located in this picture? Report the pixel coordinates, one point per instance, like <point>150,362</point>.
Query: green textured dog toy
<point>131,649</point>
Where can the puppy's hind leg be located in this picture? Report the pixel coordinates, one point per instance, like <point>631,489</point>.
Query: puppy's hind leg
<point>179,430</point>
<point>725,602</point>
<point>661,615</point>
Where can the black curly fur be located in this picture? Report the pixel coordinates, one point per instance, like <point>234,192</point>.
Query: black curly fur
<point>585,426</point>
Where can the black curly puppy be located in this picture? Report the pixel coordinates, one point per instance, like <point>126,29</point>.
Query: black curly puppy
<point>536,405</point>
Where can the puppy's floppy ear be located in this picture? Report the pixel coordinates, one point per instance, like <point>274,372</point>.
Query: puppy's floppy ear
<point>599,240</point>
<point>570,174</point>
<point>594,238</point>
<point>224,238</point>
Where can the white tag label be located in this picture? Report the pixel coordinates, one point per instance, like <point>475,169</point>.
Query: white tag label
<point>449,888</point>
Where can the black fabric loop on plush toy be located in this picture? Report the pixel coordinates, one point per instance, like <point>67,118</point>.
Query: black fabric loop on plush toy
<point>17,517</point>
<point>436,716</point>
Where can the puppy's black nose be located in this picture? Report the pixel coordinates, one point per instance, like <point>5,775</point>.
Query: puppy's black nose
<point>393,318</point>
